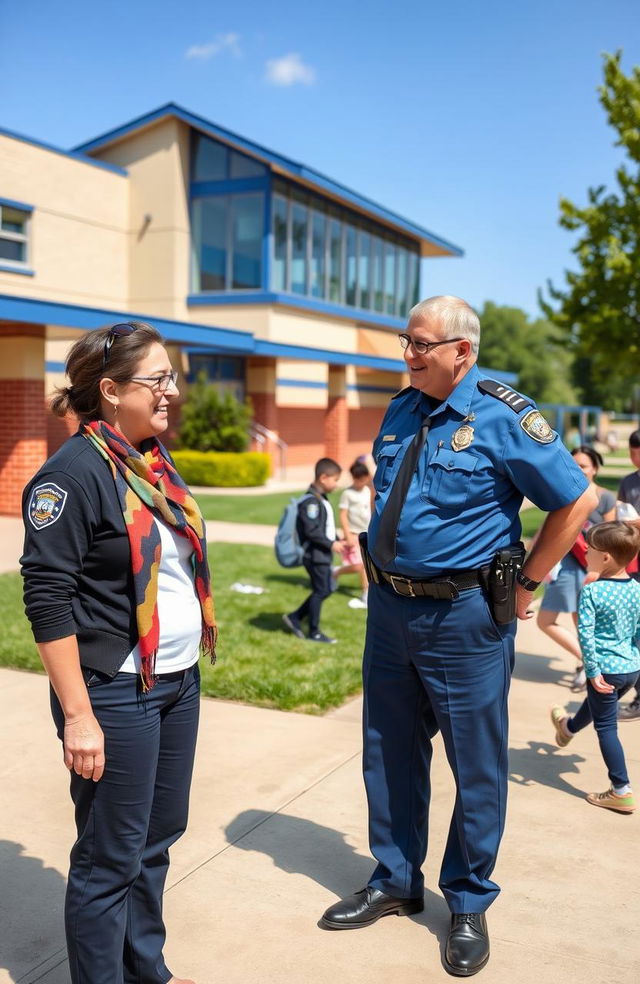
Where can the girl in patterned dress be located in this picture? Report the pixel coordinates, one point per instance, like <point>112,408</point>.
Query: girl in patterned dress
<point>608,630</point>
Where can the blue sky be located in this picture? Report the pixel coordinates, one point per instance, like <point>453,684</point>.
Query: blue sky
<point>469,118</point>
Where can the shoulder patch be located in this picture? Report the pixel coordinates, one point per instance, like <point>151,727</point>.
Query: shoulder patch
<point>46,504</point>
<point>313,510</point>
<point>516,401</point>
<point>402,392</point>
<point>534,424</point>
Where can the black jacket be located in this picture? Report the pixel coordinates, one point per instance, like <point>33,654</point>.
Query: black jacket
<point>76,563</point>
<point>312,527</point>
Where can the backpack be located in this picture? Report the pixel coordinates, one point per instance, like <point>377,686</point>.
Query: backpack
<point>289,550</point>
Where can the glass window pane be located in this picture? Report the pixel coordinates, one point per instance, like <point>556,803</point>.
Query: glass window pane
<point>377,279</point>
<point>413,284</point>
<point>351,265</point>
<point>298,248</point>
<point>390,278</point>
<point>11,250</point>
<point>210,160</point>
<point>279,267</point>
<point>401,293</point>
<point>247,220</point>
<point>318,228</point>
<point>245,167</point>
<point>364,270</point>
<point>210,242</point>
<point>13,220</point>
<point>335,261</point>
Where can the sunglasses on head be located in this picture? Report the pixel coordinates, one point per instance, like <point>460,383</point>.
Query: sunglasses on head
<point>116,331</point>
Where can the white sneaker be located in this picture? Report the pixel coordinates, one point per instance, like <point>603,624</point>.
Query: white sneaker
<point>579,681</point>
<point>357,603</point>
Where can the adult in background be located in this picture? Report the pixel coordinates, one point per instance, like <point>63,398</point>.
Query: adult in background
<point>455,455</point>
<point>561,595</point>
<point>116,588</point>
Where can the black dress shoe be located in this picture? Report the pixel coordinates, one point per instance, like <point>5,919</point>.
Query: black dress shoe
<point>467,949</point>
<point>365,907</point>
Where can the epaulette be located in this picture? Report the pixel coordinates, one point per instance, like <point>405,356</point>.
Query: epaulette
<point>516,401</point>
<point>402,392</point>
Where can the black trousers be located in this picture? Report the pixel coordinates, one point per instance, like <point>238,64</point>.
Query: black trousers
<point>126,824</point>
<point>320,575</point>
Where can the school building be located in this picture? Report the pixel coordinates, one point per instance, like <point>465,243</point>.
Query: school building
<point>278,282</point>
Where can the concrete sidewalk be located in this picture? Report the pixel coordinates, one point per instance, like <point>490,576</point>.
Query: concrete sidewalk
<point>278,832</point>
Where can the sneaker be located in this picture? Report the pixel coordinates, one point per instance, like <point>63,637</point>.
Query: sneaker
<point>357,603</point>
<point>321,637</point>
<point>579,681</point>
<point>558,715</point>
<point>611,801</point>
<point>631,711</point>
<point>293,624</point>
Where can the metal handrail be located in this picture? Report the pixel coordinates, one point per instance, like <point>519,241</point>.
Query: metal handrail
<point>262,434</point>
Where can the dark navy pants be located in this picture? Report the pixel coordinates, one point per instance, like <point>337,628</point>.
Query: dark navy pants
<point>126,823</point>
<point>320,575</point>
<point>602,709</point>
<point>434,666</point>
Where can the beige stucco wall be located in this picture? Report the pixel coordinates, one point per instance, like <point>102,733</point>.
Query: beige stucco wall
<point>157,160</point>
<point>78,229</point>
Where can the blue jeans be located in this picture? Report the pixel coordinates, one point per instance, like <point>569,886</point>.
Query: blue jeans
<point>602,709</point>
<point>126,824</point>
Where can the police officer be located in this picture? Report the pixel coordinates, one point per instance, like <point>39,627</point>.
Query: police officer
<point>455,456</point>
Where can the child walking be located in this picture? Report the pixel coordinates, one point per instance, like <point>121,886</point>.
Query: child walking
<point>608,625</point>
<point>355,516</point>
<point>316,528</point>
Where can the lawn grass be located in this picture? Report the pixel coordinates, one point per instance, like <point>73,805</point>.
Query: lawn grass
<point>231,508</point>
<point>258,663</point>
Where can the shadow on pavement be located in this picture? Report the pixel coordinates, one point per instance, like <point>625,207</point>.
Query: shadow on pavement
<point>31,912</point>
<point>303,847</point>
<point>542,764</point>
<point>538,669</point>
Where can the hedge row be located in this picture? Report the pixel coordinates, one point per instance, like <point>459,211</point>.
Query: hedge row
<point>223,468</point>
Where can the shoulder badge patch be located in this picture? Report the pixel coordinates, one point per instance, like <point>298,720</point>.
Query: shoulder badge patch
<point>516,401</point>
<point>46,505</point>
<point>313,510</point>
<point>534,424</point>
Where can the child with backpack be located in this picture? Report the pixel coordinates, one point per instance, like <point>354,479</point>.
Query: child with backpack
<point>316,531</point>
<point>608,628</point>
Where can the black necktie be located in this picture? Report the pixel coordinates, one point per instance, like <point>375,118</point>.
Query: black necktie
<point>388,528</point>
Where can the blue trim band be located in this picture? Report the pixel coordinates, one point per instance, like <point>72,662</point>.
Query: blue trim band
<point>302,383</point>
<point>54,366</point>
<point>73,154</point>
<point>21,206</point>
<point>279,350</point>
<point>297,301</point>
<point>23,271</point>
<point>285,164</point>
<point>230,186</point>
<point>359,388</point>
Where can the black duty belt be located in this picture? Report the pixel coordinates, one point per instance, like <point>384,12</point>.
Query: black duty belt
<point>444,588</point>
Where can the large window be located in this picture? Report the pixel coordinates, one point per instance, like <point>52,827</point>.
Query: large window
<point>14,230</point>
<point>214,161</point>
<point>327,252</point>
<point>227,242</point>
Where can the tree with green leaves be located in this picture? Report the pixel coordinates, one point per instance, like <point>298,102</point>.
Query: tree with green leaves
<point>599,307</point>
<point>535,351</point>
<point>211,421</point>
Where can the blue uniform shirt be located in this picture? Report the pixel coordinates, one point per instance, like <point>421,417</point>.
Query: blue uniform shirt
<point>462,505</point>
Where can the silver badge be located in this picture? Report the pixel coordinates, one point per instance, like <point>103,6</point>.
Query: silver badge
<point>462,438</point>
<point>534,424</point>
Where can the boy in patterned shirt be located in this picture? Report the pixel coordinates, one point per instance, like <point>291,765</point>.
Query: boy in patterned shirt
<point>608,627</point>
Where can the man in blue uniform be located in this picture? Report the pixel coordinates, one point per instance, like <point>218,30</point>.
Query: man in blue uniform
<point>455,456</point>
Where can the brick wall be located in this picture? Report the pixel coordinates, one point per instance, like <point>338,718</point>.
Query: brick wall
<point>58,429</point>
<point>364,425</point>
<point>23,438</point>
<point>303,430</point>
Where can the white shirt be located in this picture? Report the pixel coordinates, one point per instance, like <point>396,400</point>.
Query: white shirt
<point>179,611</point>
<point>357,502</point>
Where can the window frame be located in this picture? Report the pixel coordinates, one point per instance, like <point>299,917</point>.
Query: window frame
<point>9,265</point>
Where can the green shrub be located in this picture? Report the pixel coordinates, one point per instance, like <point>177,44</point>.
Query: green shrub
<point>210,421</point>
<point>220,468</point>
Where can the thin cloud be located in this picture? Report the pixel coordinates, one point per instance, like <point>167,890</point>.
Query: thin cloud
<point>221,42</point>
<point>289,70</point>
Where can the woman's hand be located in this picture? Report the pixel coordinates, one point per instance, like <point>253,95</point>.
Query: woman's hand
<point>84,747</point>
<point>600,684</point>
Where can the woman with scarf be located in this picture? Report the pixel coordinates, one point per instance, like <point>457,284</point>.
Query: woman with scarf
<point>116,588</point>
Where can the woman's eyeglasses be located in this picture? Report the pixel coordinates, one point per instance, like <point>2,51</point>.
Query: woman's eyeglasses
<point>116,331</point>
<point>423,347</point>
<point>161,383</point>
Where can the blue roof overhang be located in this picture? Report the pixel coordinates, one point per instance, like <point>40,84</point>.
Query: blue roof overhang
<point>430,244</point>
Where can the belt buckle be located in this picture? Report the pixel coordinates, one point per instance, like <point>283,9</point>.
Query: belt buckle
<point>402,580</point>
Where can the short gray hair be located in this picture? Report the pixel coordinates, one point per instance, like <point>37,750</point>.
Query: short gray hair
<point>457,318</point>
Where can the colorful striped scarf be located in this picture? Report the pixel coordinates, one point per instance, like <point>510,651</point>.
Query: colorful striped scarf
<point>147,484</point>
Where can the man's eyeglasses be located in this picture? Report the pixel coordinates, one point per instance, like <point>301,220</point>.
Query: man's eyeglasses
<point>116,331</point>
<point>423,347</point>
<point>161,383</point>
